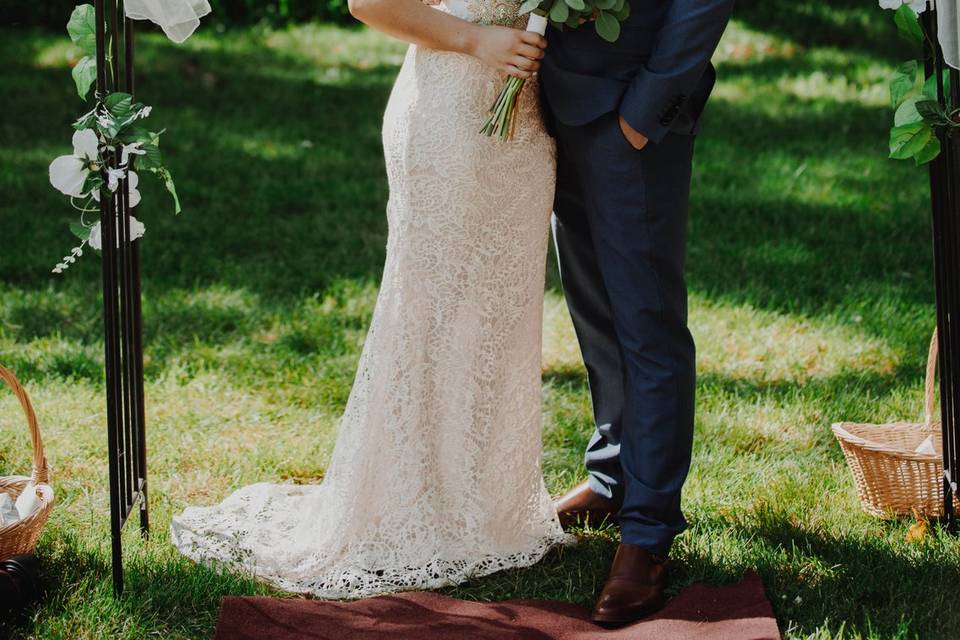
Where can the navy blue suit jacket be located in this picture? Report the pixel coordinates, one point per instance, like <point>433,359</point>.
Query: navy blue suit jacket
<point>657,74</point>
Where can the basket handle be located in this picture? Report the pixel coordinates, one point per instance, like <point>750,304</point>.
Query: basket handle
<point>929,400</point>
<point>41,471</point>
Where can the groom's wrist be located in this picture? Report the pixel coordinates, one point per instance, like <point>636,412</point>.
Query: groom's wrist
<point>647,106</point>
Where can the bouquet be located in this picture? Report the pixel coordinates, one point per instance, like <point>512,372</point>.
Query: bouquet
<point>606,16</point>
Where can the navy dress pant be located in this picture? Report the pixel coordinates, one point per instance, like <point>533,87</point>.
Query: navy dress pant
<point>620,228</point>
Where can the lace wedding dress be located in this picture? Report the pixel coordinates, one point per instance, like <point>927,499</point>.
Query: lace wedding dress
<point>436,473</point>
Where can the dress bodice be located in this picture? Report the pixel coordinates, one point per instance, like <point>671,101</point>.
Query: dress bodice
<point>501,12</point>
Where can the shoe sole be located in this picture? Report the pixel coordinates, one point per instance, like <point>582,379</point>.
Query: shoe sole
<point>619,621</point>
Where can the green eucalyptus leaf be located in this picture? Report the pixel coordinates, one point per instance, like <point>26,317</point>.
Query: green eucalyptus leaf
<point>605,5</point>
<point>623,13</point>
<point>82,28</point>
<point>529,6</point>
<point>608,27</point>
<point>903,82</point>
<point>576,5</point>
<point>930,151</point>
<point>908,25</point>
<point>84,75</point>
<point>559,12</point>
<point>909,139</point>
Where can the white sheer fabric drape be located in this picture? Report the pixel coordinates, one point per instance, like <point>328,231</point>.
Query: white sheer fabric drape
<point>178,18</point>
<point>948,28</point>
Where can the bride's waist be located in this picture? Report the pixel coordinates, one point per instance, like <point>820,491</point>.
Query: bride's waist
<point>435,70</point>
<point>458,86</point>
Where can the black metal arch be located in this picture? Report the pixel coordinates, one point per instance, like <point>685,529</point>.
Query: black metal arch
<point>121,303</point>
<point>945,200</point>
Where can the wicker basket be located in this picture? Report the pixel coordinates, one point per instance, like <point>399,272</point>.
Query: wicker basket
<point>21,536</point>
<point>892,478</point>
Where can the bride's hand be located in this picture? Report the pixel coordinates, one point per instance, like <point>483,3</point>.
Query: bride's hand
<point>513,51</point>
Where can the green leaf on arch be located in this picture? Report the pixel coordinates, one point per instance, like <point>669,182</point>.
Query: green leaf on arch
<point>904,82</point>
<point>930,151</point>
<point>84,75</point>
<point>82,28</point>
<point>908,24</point>
<point>908,140</point>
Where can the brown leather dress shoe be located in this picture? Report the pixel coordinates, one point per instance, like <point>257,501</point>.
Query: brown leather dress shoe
<point>582,505</point>
<point>634,589</point>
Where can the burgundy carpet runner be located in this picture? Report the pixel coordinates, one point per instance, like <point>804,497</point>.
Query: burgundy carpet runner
<point>731,612</point>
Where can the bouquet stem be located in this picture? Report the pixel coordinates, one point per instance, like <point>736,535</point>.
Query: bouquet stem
<point>503,113</point>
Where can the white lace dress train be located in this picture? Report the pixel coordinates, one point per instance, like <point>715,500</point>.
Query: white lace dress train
<point>436,473</point>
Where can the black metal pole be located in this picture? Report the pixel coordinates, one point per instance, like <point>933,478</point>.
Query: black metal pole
<point>945,230</point>
<point>952,269</point>
<point>136,328</point>
<point>105,84</point>
<point>122,313</point>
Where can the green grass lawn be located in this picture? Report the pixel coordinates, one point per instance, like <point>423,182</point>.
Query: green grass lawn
<point>811,301</point>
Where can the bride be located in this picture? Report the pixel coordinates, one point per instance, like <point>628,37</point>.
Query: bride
<point>436,473</point>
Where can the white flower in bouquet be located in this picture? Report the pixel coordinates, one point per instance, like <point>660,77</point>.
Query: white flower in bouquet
<point>918,6</point>
<point>96,234</point>
<point>68,174</point>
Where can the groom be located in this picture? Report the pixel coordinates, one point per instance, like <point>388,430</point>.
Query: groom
<point>625,116</point>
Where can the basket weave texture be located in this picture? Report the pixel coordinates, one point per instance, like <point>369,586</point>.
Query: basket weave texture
<point>892,479</point>
<point>21,537</point>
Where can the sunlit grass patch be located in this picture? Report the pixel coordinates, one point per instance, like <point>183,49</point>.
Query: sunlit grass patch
<point>742,343</point>
<point>336,47</point>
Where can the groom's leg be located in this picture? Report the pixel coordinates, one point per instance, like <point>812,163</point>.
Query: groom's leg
<point>589,308</point>
<point>637,203</point>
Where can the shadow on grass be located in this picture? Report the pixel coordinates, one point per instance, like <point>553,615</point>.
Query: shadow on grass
<point>850,24</point>
<point>804,566</point>
<point>175,598</point>
<point>281,171</point>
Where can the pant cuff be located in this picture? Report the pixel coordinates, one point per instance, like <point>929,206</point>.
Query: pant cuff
<point>652,541</point>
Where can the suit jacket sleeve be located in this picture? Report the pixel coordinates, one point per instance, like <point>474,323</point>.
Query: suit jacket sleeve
<point>687,39</point>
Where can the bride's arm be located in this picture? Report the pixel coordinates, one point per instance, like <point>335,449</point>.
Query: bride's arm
<point>513,51</point>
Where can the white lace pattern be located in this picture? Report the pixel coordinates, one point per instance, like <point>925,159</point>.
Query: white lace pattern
<point>436,473</point>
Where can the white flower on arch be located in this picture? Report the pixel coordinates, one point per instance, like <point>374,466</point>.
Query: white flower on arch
<point>918,6</point>
<point>133,180</point>
<point>96,240</point>
<point>68,174</point>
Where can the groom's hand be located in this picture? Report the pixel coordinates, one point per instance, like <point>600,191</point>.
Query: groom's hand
<point>636,139</point>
